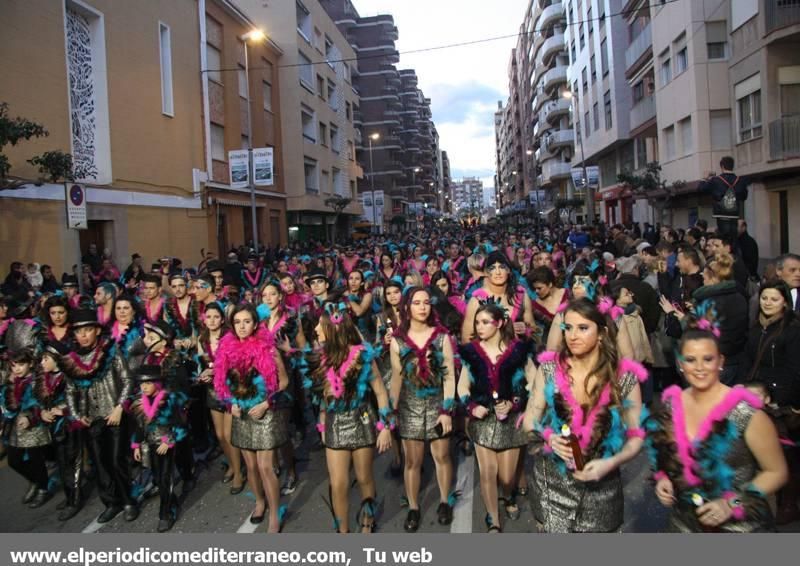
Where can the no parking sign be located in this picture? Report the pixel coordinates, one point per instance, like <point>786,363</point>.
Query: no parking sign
<point>76,206</point>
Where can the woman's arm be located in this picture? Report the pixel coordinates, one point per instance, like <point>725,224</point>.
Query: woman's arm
<point>469,320</point>
<point>527,313</point>
<point>761,438</point>
<point>464,386</point>
<point>556,336</point>
<point>396,383</point>
<point>449,380</point>
<point>360,308</point>
<point>536,401</point>
<point>283,377</point>
<point>378,388</point>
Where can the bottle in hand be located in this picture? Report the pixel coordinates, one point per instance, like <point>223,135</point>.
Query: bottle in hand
<point>577,454</point>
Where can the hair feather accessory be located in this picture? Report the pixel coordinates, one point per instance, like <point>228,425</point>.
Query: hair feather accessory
<point>336,312</point>
<point>488,300</point>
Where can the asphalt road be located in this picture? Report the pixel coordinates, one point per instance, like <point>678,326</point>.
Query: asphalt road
<point>210,508</point>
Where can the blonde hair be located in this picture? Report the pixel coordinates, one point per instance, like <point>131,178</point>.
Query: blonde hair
<point>475,262</point>
<point>721,265</point>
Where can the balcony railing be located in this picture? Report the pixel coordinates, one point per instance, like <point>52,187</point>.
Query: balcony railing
<point>780,13</point>
<point>551,46</point>
<point>556,108</point>
<point>644,110</point>
<point>554,77</point>
<point>555,170</point>
<point>553,13</point>
<point>784,138</point>
<point>638,46</point>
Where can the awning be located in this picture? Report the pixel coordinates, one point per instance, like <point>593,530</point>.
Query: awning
<point>614,193</point>
<point>231,202</point>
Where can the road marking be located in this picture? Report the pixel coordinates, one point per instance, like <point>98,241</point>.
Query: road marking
<point>247,527</point>
<point>465,482</point>
<point>93,527</point>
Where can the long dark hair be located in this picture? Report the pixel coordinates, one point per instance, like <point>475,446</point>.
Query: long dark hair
<point>54,301</point>
<point>388,310</point>
<point>606,369</point>
<point>789,317</point>
<point>442,275</point>
<point>205,333</point>
<point>498,314</point>
<point>446,314</point>
<point>405,310</point>
<point>339,337</point>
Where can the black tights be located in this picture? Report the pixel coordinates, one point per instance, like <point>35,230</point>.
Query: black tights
<point>69,455</point>
<point>30,464</point>
<point>164,477</point>
<point>107,449</point>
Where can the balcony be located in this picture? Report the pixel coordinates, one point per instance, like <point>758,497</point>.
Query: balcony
<point>552,46</point>
<point>559,138</point>
<point>554,77</point>
<point>638,47</point>
<point>643,111</point>
<point>550,15</point>
<point>553,171</point>
<point>779,14</point>
<point>784,138</point>
<point>543,126</point>
<point>554,109</point>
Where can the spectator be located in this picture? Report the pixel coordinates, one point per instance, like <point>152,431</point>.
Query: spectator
<point>723,243</point>
<point>93,259</point>
<point>728,191</point>
<point>748,249</point>
<point>49,281</point>
<point>643,294</point>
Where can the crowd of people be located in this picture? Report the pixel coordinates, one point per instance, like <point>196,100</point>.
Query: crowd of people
<point>576,348</point>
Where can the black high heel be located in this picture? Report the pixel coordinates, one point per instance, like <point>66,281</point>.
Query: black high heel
<point>411,523</point>
<point>367,511</point>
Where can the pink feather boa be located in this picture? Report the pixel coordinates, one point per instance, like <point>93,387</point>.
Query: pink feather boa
<point>673,395</point>
<point>335,377</point>
<point>256,352</point>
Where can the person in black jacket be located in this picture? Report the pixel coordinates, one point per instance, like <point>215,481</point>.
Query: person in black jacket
<point>724,244</point>
<point>643,294</point>
<point>771,357</point>
<point>728,191</point>
<point>748,249</point>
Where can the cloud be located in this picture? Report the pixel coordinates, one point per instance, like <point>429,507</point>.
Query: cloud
<point>455,102</point>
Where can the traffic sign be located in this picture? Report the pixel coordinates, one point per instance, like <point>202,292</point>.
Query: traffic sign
<point>76,206</point>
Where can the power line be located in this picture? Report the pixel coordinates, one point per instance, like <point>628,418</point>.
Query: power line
<point>449,45</point>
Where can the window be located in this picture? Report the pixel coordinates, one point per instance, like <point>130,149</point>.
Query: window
<point>586,126</point>
<point>607,105</point>
<point>306,71</point>
<point>336,178</point>
<point>687,140</point>
<point>266,91</point>
<point>584,82</point>
<point>333,100</point>
<point>304,22</point>
<point>669,143</point>
<point>572,49</point>
<point>242,76</point>
<point>329,53</point>
<point>593,69</point>
<point>165,51</point>
<point>214,63</point>
<point>638,91</point>
<point>604,57</point>
<point>323,134</point>
<point>312,182</point>
<point>334,138</point>
<point>589,21</point>
<point>666,71</point>
<point>347,111</point>
<point>790,100</point>
<point>596,111</point>
<point>749,116</point>
<point>325,182</point>
<point>581,39</point>
<point>351,151</point>
<point>717,40</point>
<point>307,119</point>
<point>352,192</point>
<point>681,61</point>
<point>640,148</point>
<point>720,130</point>
<point>217,142</point>
<point>322,88</point>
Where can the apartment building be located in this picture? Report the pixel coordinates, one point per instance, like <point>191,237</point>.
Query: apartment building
<point>446,194</point>
<point>468,195</point>
<point>764,90</point>
<point>318,110</point>
<point>98,63</point>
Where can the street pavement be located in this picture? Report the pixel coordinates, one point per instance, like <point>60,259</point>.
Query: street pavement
<point>210,508</point>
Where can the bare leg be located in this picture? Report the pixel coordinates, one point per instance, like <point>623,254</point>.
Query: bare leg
<point>218,418</point>
<point>507,474</point>
<point>339,476</point>
<point>414,451</point>
<point>269,481</point>
<point>440,450</point>
<point>235,458</point>
<point>488,467</point>
<point>254,481</point>
<point>362,463</point>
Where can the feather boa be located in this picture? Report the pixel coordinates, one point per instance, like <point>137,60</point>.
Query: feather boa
<point>423,367</point>
<point>335,376</point>
<point>254,353</point>
<point>355,375</point>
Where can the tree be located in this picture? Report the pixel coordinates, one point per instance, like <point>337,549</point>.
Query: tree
<point>338,203</point>
<point>54,166</point>
<point>649,185</point>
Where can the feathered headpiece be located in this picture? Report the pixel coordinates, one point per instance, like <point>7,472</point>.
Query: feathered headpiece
<point>336,312</point>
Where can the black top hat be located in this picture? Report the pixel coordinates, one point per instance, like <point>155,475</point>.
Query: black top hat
<point>214,265</point>
<point>69,281</point>
<point>147,373</point>
<point>55,348</point>
<point>83,317</point>
<point>252,257</point>
<point>160,327</point>
<point>316,273</point>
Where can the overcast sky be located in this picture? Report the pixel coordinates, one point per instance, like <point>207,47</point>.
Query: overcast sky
<point>463,83</point>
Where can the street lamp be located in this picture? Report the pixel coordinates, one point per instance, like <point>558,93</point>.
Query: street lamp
<point>255,35</point>
<point>569,95</point>
<point>373,137</point>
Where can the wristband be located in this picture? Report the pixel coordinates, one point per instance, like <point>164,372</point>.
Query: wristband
<point>660,475</point>
<point>166,440</point>
<point>734,501</point>
<point>320,428</point>
<point>635,433</point>
<point>546,434</point>
<point>448,407</point>
<point>135,445</point>
<point>385,419</point>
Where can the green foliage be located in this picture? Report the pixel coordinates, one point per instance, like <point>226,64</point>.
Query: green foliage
<point>54,166</point>
<point>12,130</point>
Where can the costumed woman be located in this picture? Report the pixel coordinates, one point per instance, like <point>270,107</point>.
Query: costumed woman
<point>360,302</point>
<point>342,377</point>
<point>492,385</point>
<point>424,385</point>
<point>55,316</point>
<point>716,456</point>
<point>586,406</point>
<point>248,376</point>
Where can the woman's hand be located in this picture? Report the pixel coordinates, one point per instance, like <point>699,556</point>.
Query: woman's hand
<point>47,416</point>
<point>520,328</point>
<point>162,449</point>
<point>384,440</point>
<point>236,411</point>
<point>714,513</point>
<point>562,449</point>
<point>23,422</point>
<point>665,492</point>
<point>502,409</point>
<point>258,411</point>
<point>115,417</point>
<point>480,412</point>
<point>447,423</point>
<point>387,339</point>
<point>58,412</point>
<point>594,470</point>
<point>666,306</point>
<point>137,454</point>
<point>285,345</point>
<point>207,376</point>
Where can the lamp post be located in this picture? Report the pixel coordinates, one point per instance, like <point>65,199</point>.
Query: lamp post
<point>589,200</point>
<point>254,35</point>
<point>372,137</point>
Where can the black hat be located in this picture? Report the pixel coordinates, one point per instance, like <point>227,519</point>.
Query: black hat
<point>252,257</point>
<point>135,257</point>
<point>83,317</point>
<point>55,348</point>
<point>69,281</point>
<point>316,273</point>
<point>147,373</point>
<point>160,327</point>
<point>214,265</point>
